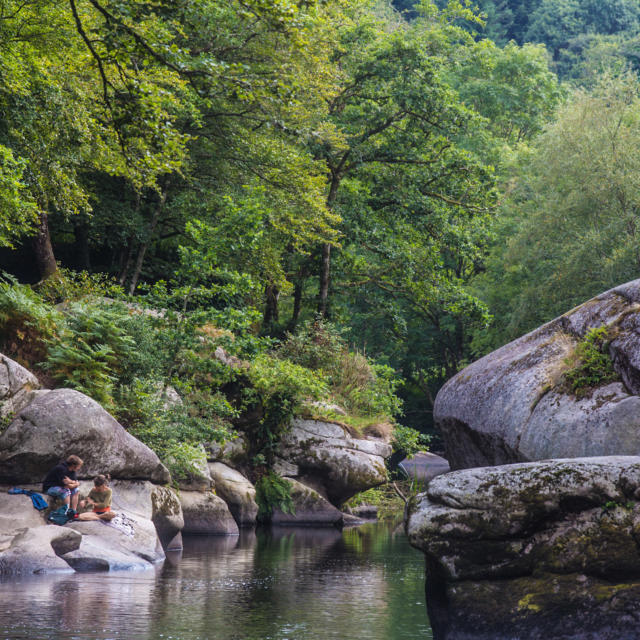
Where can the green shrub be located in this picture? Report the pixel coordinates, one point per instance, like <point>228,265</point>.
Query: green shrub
<point>145,411</point>
<point>183,459</point>
<point>26,322</point>
<point>315,345</point>
<point>361,387</point>
<point>90,351</point>
<point>277,389</point>
<point>408,441</point>
<point>590,365</point>
<point>67,285</point>
<point>273,492</point>
<point>372,396</point>
<point>175,432</point>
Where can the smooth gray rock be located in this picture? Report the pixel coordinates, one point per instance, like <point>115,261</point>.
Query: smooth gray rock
<point>16,384</point>
<point>236,491</point>
<point>424,466</point>
<point>511,405</point>
<point>332,461</point>
<point>233,453</point>
<point>135,545</point>
<point>520,546</point>
<point>175,544</point>
<point>206,513</point>
<point>60,422</point>
<point>34,550</point>
<point>310,509</point>
<point>92,556</point>
<point>366,512</point>
<point>147,501</point>
<point>286,469</point>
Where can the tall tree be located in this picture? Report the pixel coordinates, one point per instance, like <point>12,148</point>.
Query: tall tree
<point>570,228</point>
<point>397,116</point>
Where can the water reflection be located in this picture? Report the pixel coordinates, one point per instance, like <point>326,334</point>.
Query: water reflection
<point>286,584</point>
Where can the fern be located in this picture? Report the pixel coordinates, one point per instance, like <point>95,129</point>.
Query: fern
<point>273,492</point>
<point>26,322</point>
<point>89,352</point>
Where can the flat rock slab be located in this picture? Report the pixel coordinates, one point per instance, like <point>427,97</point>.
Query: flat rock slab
<point>512,405</point>
<point>521,546</point>
<point>93,555</point>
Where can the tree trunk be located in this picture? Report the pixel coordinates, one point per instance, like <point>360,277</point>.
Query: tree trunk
<point>271,313</point>
<point>297,306</point>
<point>145,245</point>
<point>45,259</point>
<point>325,273</point>
<point>128,261</point>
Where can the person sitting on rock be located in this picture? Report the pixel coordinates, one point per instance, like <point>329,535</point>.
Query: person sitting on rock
<point>62,482</point>
<point>99,499</point>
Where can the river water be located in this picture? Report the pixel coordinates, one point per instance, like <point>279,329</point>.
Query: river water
<point>364,583</point>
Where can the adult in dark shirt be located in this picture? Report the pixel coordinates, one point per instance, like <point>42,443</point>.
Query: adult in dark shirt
<point>62,481</point>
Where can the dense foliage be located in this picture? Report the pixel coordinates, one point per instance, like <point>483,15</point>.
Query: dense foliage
<point>351,199</point>
<point>569,226</point>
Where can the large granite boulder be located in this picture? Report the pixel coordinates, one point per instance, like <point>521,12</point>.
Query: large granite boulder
<point>28,544</point>
<point>513,404</point>
<point>236,491</point>
<point>536,549</point>
<point>310,509</point>
<point>16,384</point>
<point>325,457</point>
<point>206,513</point>
<point>60,422</point>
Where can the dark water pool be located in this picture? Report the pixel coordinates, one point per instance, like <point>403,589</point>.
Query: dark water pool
<point>289,584</point>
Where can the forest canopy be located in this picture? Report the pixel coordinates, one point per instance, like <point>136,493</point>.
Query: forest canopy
<point>424,180</point>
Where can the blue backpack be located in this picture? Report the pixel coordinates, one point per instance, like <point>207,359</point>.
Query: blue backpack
<point>59,516</point>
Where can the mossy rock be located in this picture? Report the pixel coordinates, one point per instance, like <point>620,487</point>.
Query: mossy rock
<point>541,606</point>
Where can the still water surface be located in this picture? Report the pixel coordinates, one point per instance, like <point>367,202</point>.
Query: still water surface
<point>365,583</point>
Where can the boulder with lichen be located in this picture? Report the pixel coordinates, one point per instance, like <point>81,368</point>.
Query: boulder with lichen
<point>532,547</point>
<point>515,404</point>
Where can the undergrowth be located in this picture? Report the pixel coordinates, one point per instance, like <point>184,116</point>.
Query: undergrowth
<point>273,492</point>
<point>81,332</point>
<point>387,498</point>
